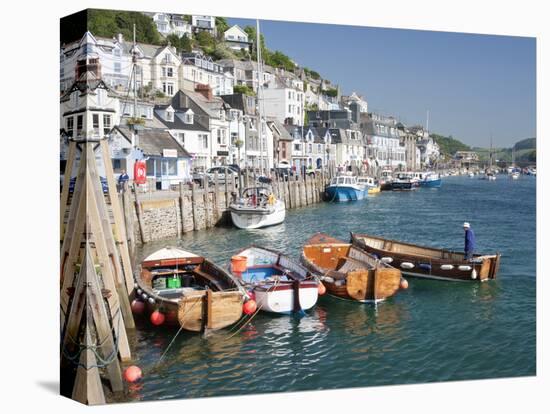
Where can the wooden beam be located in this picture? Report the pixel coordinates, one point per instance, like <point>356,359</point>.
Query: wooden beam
<point>139,215</point>
<point>66,182</point>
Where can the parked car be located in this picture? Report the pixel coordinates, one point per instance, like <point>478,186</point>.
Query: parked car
<point>225,172</point>
<point>283,173</point>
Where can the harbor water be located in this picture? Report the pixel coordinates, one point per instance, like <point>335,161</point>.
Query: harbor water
<point>434,331</point>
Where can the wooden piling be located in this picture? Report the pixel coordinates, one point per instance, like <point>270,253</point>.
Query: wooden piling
<point>194,205</point>
<point>139,214</point>
<point>216,200</point>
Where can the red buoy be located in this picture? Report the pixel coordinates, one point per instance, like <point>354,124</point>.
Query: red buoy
<point>157,318</point>
<point>137,307</point>
<point>132,374</point>
<point>250,307</point>
<point>321,289</point>
<point>403,284</point>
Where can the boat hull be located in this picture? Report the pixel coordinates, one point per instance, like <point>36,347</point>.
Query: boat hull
<point>251,219</point>
<point>404,186</point>
<point>286,297</point>
<point>431,183</point>
<point>344,193</point>
<point>450,266</point>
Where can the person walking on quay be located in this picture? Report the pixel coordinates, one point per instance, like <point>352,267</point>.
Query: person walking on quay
<point>469,241</point>
<point>122,178</point>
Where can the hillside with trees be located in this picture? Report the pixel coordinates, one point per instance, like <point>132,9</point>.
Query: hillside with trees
<point>449,145</point>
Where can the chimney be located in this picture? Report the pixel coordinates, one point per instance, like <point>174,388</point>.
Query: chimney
<point>204,90</point>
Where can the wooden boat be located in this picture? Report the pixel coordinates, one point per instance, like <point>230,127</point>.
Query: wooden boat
<point>277,283</point>
<point>257,208</point>
<point>189,290</point>
<point>348,272</point>
<point>429,262</point>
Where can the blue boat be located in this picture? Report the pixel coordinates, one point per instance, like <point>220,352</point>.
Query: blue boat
<point>428,179</point>
<point>345,188</point>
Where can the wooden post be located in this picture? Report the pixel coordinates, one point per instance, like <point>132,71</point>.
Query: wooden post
<point>206,194</point>
<point>182,208</point>
<point>66,183</point>
<point>290,184</point>
<point>129,219</point>
<point>139,214</point>
<point>194,205</point>
<point>226,192</point>
<point>216,198</point>
<point>209,319</point>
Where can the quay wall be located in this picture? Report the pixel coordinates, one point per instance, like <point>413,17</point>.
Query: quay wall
<point>159,215</point>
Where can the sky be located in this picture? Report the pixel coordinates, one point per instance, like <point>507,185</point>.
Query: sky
<point>474,86</point>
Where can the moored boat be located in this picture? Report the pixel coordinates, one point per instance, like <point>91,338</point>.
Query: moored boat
<point>277,283</point>
<point>430,180</point>
<point>405,182</point>
<point>345,188</point>
<point>385,180</point>
<point>372,185</point>
<point>188,290</point>
<point>256,208</point>
<point>348,272</point>
<point>428,262</point>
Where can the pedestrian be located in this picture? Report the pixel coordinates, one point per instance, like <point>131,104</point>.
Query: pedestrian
<point>122,178</point>
<point>469,241</point>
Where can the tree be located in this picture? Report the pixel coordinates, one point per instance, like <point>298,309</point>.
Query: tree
<point>182,44</point>
<point>206,41</point>
<point>244,89</point>
<point>332,92</point>
<point>221,26</point>
<point>278,59</point>
<point>108,23</point>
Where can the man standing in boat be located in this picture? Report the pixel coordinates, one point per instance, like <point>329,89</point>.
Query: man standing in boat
<point>469,241</point>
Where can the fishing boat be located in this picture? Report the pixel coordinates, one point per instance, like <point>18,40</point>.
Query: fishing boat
<point>428,262</point>
<point>257,207</point>
<point>385,180</point>
<point>345,188</point>
<point>348,272</point>
<point>185,289</point>
<point>405,181</point>
<point>277,283</point>
<point>372,185</point>
<point>430,179</point>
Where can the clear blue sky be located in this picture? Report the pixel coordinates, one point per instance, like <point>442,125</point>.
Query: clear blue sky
<point>473,85</point>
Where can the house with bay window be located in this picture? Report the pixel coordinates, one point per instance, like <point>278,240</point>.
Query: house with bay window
<point>384,145</point>
<point>197,68</point>
<point>237,39</point>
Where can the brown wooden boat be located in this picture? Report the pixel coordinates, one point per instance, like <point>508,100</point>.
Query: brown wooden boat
<point>349,272</point>
<point>189,290</point>
<point>429,262</point>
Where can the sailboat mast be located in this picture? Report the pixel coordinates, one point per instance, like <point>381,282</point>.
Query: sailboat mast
<point>134,60</point>
<point>259,74</point>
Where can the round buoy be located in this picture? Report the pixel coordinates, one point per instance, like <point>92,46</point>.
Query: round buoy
<point>250,307</point>
<point>157,318</point>
<point>321,289</point>
<point>132,374</point>
<point>403,284</point>
<point>137,307</point>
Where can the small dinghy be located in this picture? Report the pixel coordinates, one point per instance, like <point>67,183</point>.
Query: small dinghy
<point>348,272</point>
<point>428,262</point>
<point>277,283</point>
<point>181,288</point>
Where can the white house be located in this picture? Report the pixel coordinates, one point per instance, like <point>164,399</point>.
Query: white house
<point>168,24</point>
<point>197,68</point>
<point>206,23</point>
<point>283,99</point>
<point>236,38</point>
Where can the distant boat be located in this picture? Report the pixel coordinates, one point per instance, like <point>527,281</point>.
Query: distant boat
<point>345,188</point>
<point>385,180</point>
<point>348,272</point>
<point>189,290</point>
<point>256,208</point>
<point>405,181</point>
<point>372,185</point>
<point>278,283</point>
<point>428,262</point>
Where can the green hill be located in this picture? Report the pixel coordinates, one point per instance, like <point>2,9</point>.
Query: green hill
<point>449,145</point>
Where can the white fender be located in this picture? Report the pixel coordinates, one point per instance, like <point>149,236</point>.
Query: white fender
<point>386,259</point>
<point>464,267</point>
<point>447,267</point>
<point>327,279</point>
<point>407,265</point>
<point>474,274</point>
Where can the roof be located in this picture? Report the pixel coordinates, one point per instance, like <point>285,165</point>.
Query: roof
<point>169,252</point>
<point>152,141</point>
<point>280,130</point>
<point>178,123</point>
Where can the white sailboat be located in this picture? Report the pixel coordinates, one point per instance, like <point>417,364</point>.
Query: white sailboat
<point>258,207</point>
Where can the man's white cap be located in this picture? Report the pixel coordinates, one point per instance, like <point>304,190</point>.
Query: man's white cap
<point>466,225</point>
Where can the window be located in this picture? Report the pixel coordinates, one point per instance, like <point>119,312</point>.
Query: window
<point>168,57</point>
<point>106,124</point>
<point>203,139</point>
<point>163,71</point>
<point>319,150</point>
<point>170,167</point>
<point>116,52</point>
<point>79,124</point>
<point>290,108</point>
<point>69,123</point>
<point>310,148</point>
<point>117,67</point>
<point>170,72</point>
<point>221,136</point>
<point>168,88</point>
<point>169,116</point>
<point>188,118</point>
<point>95,123</point>
<point>150,167</point>
<point>181,138</point>
<point>297,147</point>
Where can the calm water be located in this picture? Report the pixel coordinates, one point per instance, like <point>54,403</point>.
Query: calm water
<point>434,331</point>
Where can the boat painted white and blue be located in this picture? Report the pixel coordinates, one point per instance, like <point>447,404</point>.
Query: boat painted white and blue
<point>345,188</point>
<point>430,179</point>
